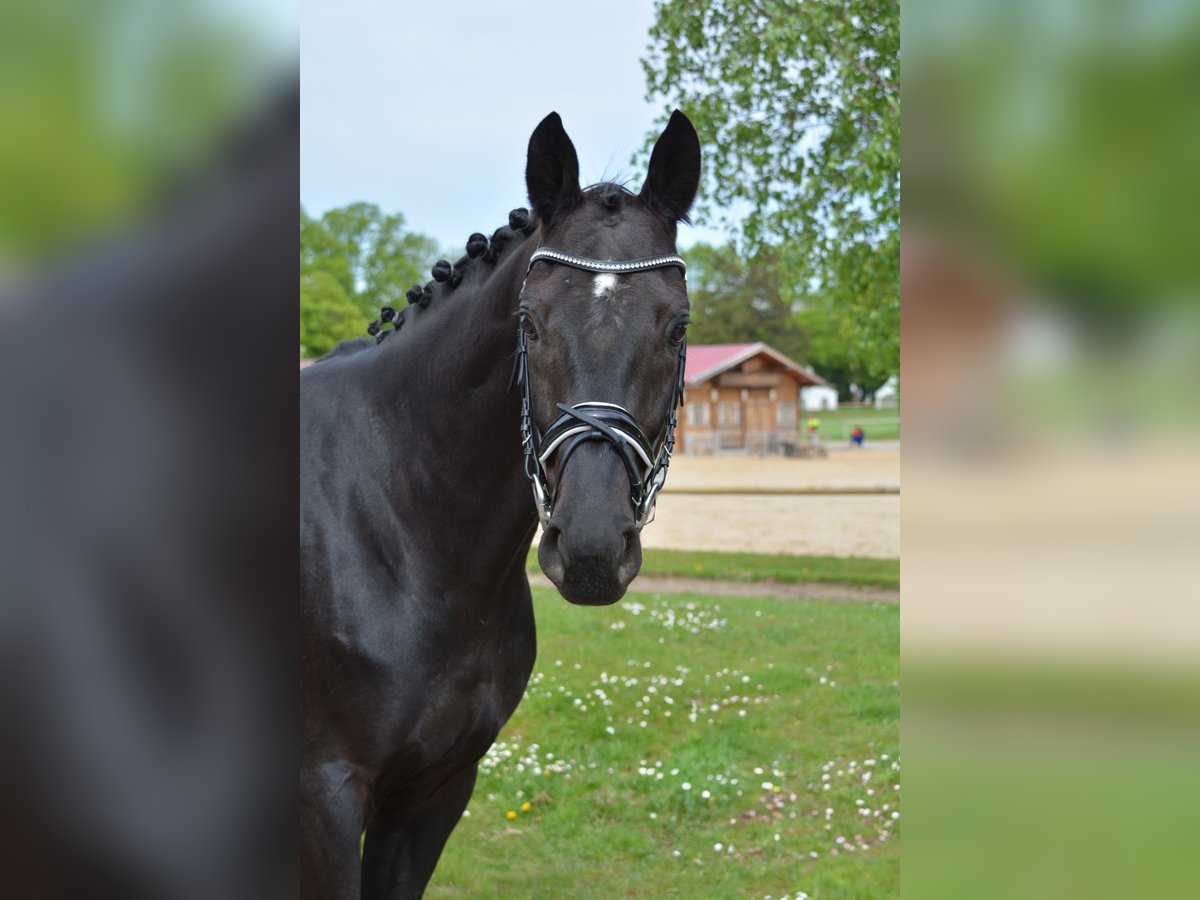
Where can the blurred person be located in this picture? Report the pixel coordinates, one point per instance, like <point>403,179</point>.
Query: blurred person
<point>857,436</point>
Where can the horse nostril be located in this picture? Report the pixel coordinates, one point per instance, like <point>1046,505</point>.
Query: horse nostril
<point>552,539</point>
<point>550,554</point>
<point>631,556</point>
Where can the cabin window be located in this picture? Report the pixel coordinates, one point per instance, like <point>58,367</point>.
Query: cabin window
<point>729,414</point>
<point>786,414</point>
<point>697,415</point>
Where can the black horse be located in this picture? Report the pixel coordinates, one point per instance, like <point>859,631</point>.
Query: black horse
<point>417,628</point>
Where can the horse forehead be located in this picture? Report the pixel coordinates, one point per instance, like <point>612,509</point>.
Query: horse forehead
<point>594,300</point>
<point>565,290</point>
<point>620,301</point>
<point>627,232</point>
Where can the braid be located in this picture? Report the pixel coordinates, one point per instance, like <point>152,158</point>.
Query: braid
<point>387,314</point>
<point>520,224</point>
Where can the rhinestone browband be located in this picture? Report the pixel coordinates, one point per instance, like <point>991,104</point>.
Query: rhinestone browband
<point>604,265</point>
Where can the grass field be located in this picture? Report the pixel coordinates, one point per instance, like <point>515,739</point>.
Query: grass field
<point>885,427</point>
<point>751,567</point>
<point>688,746</point>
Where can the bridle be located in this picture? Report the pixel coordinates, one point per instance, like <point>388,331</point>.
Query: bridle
<point>593,420</point>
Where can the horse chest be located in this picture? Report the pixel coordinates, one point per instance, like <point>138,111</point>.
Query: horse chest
<point>457,701</point>
<point>462,718</point>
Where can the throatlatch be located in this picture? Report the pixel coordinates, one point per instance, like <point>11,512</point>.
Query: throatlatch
<point>593,420</point>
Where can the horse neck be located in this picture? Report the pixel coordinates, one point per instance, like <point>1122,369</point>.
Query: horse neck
<point>456,428</point>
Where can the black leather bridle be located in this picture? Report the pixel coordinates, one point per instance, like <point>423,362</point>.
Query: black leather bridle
<point>645,463</point>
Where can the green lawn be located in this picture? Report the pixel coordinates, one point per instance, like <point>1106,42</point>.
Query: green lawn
<point>886,426</point>
<point>689,746</point>
<point>1091,791</point>
<point>766,567</point>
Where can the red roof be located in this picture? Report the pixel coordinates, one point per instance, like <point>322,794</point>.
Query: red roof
<point>702,357</point>
<point>704,361</point>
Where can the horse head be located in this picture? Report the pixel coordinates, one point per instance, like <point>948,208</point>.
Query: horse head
<point>603,322</point>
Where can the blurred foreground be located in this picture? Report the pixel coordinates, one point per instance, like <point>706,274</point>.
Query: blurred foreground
<point>1051,584</point>
<point>148,165</point>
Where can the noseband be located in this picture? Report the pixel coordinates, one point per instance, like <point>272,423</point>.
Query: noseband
<point>593,420</point>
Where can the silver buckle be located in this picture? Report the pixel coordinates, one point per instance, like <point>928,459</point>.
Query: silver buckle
<point>539,499</point>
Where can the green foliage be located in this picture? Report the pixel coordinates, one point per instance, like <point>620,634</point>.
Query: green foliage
<point>320,251</point>
<point>1087,190</point>
<point>107,107</point>
<point>382,259</point>
<point>735,300</point>
<point>829,352</point>
<point>327,315</point>
<point>365,260</point>
<point>797,105</point>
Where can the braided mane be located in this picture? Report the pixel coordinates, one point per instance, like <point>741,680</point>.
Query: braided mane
<point>480,250</point>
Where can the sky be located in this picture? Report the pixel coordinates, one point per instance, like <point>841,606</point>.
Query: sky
<point>426,108</point>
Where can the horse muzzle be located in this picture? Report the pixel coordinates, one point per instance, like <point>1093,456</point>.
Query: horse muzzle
<point>589,573</point>
<point>591,547</point>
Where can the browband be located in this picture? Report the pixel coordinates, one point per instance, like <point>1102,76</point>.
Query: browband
<point>604,266</point>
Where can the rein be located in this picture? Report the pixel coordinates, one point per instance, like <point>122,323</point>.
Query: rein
<point>645,463</point>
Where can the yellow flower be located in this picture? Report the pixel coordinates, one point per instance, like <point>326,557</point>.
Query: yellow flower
<point>510,815</point>
<point>526,806</point>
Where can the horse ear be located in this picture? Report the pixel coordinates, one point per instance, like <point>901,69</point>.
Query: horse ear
<point>552,170</point>
<point>674,174</point>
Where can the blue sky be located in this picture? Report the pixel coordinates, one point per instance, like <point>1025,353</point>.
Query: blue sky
<point>427,108</point>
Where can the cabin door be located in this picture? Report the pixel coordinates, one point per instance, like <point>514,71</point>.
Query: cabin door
<point>760,425</point>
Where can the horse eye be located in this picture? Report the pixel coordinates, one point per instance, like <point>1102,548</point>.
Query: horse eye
<point>528,327</point>
<point>679,332</point>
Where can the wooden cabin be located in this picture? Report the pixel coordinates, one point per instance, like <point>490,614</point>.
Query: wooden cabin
<point>741,398</point>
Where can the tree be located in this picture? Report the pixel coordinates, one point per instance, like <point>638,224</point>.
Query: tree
<point>797,105</point>
<point>827,351</point>
<point>735,300</point>
<point>327,315</point>
<point>368,252</point>
<point>320,251</point>
<point>397,260</point>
